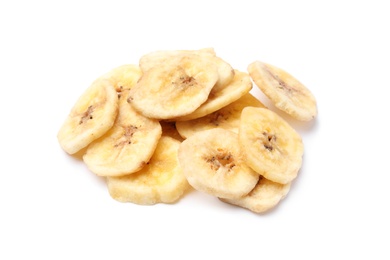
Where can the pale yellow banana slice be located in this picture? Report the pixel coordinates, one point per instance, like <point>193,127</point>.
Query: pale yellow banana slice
<point>271,146</point>
<point>285,91</point>
<point>175,88</point>
<point>157,58</point>
<point>127,146</point>
<point>123,77</point>
<point>92,116</point>
<point>265,196</point>
<point>221,97</point>
<point>227,117</point>
<point>213,163</point>
<point>160,181</point>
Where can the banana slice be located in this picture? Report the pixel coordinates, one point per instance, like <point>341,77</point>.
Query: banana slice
<point>226,118</point>
<point>123,77</point>
<point>221,97</point>
<point>285,91</point>
<point>265,196</point>
<point>175,88</point>
<point>213,163</point>
<point>271,146</point>
<point>155,59</point>
<point>127,146</point>
<point>92,115</point>
<point>160,181</point>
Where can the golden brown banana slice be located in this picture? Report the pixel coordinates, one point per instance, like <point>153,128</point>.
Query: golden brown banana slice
<point>92,116</point>
<point>213,163</point>
<point>271,146</point>
<point>175,88</point>
<point>265,196</point>
<point>221,97</point>
<point>160,181</point>
<point>124,77</point>
<point>227,117</point>
<point>127,146</point>
<point>285,91</point>
<point>225,70</point>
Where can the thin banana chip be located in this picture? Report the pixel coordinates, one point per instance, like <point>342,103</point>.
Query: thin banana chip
<point>285,91</point>
<point>155,59</point>
<point>160,181</point>
<point>213,163</point>
<point>265,196</point>
<point>175,88</point>
<point>271,146</point>
<point>91,116</point>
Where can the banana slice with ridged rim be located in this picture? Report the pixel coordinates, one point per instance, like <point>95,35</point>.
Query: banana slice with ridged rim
<point>92,115</point>
<point>213,163</point>
<point>227,117</point>
<point>264,196</point>
<point>271,146</point>
<point>175,88</point>
<point>284,90</point>
<point>156,58</point>
<point>160,181</point>
<point>221,97</point>
<point>127,146</point>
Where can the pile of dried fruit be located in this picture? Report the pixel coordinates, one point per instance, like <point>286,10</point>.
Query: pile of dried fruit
<point>184,119</point>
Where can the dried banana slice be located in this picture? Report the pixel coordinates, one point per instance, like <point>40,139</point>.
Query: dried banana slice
<point>225,70</point>
<point>127,146</point>
<point>160,181</point>
<point>221,97</point>
<point>213,163</point>
<point>265,196</point>
<point>175,88</point>
<point>123,77</point>
<point>227,117</point>
<point>285,91</point>
<point>92,116</point>
<point>271,146</point>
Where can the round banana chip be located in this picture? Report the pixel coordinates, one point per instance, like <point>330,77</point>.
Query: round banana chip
<point>160,181</point>
<point>127,146</point>
<point>265,196</point>
<point>175,88</point>
<point>213,163</point>
<point>156,58</point>
<point>285,91</point>
<point>91,117</point>
<point>221,97</point>
<point>271,146</point>
<point>227,117</point>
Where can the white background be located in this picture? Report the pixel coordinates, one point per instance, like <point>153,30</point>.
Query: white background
<point>52,207</point>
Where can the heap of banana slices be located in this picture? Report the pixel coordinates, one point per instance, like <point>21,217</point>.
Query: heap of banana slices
<point>185,119</point>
